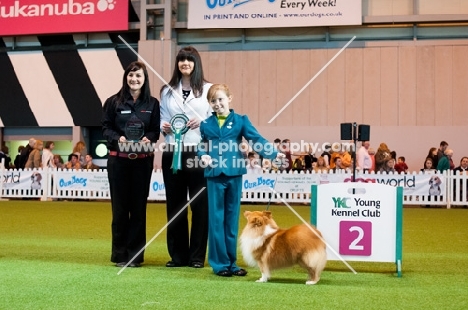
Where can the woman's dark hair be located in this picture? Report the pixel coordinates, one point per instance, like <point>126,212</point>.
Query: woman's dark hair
<point>48,144</point>
<point>197,79</point>
<point>125,90</point>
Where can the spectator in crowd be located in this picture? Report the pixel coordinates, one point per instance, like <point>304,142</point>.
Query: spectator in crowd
<point>401,165</point>
<point>429,168</point>
<point>73,162</point>
<point>364,160</point>
<point>275,165</point>
<point>24,156</point>
<point>346,159</point>
<point>382,156</point>
<point>441,151</point>
<point>16,162</point>
<point>371,152</point>
<point>326,154</point>
<point>462,169</point>
<point>298,164</point>
<point>444,162</point>
<point>338,165</point>
<point>89,165</point>
<point>452,165</point>
<point>433,155</point>
<point>389,166</point>
<point>428,165</point>
<point>47,155</point>
<point>267,165</point>
<point>35,157</point>
<point>309,159</point>
<point>320,166</point>
<point>286,150</point>
<point>333,155</point>
<point>5,156</point>
<point>80,150</point>
<point>58,161</point>
<point>252,164</point>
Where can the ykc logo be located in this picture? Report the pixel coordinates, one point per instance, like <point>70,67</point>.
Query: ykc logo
<point>340,202</point>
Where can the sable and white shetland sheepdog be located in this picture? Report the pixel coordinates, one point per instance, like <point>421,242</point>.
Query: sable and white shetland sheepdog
<point>264,244</point>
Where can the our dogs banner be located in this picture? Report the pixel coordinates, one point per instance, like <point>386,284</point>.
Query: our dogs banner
<point>413,184</point>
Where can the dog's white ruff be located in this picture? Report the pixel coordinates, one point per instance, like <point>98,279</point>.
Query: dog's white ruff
<point>249,245</point>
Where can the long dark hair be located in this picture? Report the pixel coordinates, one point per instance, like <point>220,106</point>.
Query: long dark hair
<point>197,78</point>
<point>125,90</point>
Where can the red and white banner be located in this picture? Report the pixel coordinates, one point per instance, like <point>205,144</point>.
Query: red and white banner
<point>25,17</point>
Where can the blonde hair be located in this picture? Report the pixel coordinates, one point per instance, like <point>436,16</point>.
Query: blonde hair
<point>38,142</point>
<point>79,147</point>
<point>216,87</point>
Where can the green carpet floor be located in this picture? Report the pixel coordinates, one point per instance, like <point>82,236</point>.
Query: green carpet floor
<point>55,255</point>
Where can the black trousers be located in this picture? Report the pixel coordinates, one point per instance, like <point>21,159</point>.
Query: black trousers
<point>184,247</point>
<point>129,188</point>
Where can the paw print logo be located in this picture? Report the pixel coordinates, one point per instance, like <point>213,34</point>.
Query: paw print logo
<point>103,5</point>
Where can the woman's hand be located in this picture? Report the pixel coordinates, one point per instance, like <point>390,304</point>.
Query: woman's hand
<point>166,127</point>
<point>122,139</point>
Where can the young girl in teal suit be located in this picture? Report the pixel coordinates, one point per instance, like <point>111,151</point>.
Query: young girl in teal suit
<point>220,151</point>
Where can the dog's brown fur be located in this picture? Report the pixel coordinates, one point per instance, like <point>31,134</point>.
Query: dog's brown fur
<point>264,244</point>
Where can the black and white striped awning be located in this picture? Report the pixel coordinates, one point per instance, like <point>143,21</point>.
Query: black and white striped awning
<point>59,84</point>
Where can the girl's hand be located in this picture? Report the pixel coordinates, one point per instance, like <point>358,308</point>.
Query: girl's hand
<point>206,159</point>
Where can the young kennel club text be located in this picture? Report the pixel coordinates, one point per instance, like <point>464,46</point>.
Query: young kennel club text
<point>349,203</point>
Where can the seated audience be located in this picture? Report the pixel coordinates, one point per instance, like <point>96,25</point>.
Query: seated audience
<point>89,165</point>
<point>389,166</point>
<point>338,165</point>
<point>462,169</point>
<point>252,164</point>
<point>298,164</point>
<point>320,166</point>
<point>58,161</point>
<point>73,162</point>
<point>401,165</point>
<point>428,165</point>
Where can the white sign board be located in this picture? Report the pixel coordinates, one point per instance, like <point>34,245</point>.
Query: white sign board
<point>272,13</point>
<point>360,221</point>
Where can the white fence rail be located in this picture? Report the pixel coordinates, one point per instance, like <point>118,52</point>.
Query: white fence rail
<point>446,189</point>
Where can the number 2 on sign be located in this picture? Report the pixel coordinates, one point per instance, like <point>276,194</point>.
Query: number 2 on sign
<point>354,245</point>
<point>355,238</point>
